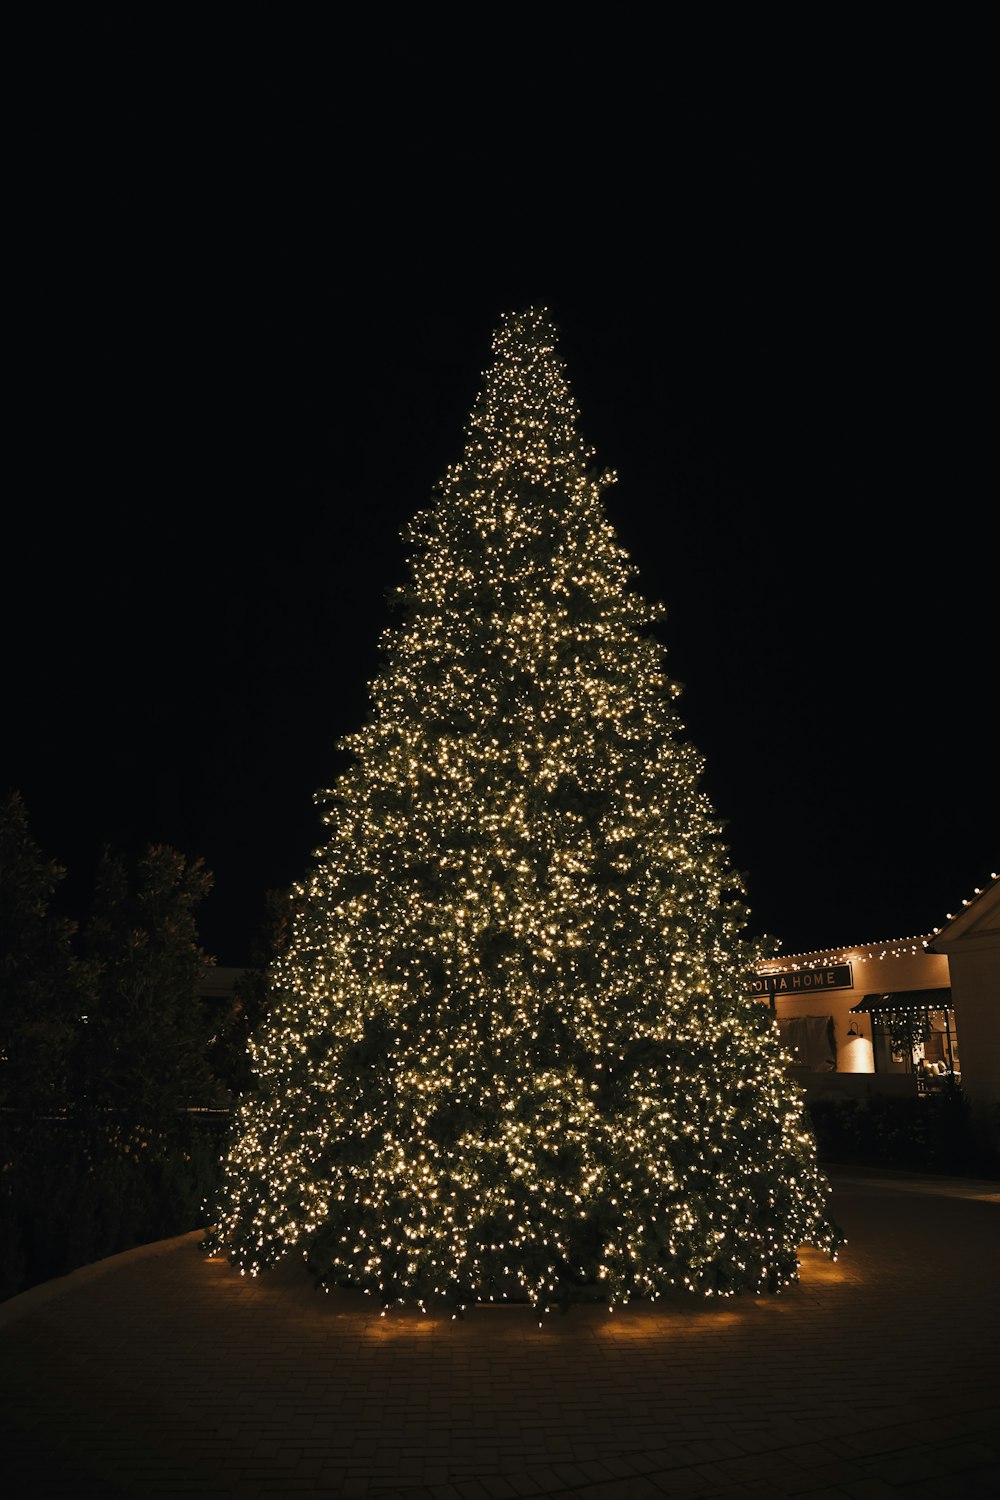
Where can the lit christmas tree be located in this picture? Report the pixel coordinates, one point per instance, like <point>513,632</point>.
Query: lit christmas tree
<point>509,1052</point>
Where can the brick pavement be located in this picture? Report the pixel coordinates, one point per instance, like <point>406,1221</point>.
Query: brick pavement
<point>163,1374</point>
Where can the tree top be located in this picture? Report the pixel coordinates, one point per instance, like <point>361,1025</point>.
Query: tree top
<point>526,418</point>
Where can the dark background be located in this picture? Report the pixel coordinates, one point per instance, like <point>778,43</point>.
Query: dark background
<point>259,258</point>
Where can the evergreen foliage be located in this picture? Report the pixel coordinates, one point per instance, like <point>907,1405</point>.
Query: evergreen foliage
<point>509,1051</point>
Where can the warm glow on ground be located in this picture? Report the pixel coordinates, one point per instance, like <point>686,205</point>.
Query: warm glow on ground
<point>666,1317</point>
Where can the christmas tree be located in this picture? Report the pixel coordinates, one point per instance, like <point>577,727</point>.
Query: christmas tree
<point>509,1051</point>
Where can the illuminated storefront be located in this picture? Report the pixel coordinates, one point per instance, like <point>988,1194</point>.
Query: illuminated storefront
<point>910,1016</point>
<point>871,1018</point>
<point>913,1031</point>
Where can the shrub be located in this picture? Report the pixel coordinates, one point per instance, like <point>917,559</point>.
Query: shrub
<point>932,1133</point>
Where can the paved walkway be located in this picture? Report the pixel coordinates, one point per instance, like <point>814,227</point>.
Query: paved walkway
<point>163,1373</point>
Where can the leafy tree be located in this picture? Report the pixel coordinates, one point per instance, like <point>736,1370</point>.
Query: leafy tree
<point>98,1057</point>
<point>148,1033</point>
<point>509,1051</point>
<point>43,987</point>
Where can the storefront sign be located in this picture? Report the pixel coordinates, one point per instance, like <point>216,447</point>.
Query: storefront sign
<point>802,981</point>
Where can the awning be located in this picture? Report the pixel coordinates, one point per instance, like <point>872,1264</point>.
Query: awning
<point>904,1000</point>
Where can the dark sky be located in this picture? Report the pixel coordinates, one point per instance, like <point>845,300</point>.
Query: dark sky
<point>258,270</point>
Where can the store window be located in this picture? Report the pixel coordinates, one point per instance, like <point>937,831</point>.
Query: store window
<point>811,1042</point>
<point>913,1031</point>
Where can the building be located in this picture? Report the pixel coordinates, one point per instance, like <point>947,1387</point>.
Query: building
<point>970,940</point>
<point>863,1019</point>
<point>904,1017</point>
<point>217,984</point>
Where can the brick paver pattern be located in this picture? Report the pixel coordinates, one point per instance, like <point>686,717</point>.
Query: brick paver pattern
<point>877,1376</point>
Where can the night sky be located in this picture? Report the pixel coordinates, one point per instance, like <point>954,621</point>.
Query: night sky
<point>257,276</point>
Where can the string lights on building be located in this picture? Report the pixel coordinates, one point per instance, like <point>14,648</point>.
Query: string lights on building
<point>858,953</point>
<point>509,1053</point>
<point>966,902</point>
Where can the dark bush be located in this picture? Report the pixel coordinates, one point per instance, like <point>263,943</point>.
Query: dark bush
<point>70,1194</point>
<point>933,1133</point>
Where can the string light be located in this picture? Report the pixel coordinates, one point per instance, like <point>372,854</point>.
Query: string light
<point>820,958</point>
<point>950,917</point>
<point>509,1054</point>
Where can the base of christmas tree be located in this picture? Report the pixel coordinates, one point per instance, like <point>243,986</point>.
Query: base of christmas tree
<point>561,1294</point>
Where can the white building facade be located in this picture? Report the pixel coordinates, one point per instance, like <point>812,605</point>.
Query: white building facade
<point>907,1016</point>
